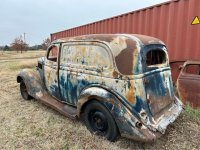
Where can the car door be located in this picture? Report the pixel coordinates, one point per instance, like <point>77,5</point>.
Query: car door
<point>189,84</point>
<point>71,59</point>
<point>81,64</point>
<point>51,71</point>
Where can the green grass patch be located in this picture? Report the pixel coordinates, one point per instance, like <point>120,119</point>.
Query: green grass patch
<point>192,113</point>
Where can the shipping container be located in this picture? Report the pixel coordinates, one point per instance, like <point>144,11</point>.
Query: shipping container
<point>170,21</point>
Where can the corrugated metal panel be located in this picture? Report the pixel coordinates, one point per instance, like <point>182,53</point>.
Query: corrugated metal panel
<point>170,22</point>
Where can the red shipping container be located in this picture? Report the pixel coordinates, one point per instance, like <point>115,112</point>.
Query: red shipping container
<point>170,21</point>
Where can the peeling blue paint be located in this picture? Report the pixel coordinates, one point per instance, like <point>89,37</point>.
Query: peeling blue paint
<point>139,104</point>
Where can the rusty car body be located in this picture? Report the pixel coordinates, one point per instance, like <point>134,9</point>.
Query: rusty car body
<point>188,83</point>
<point>120,84</point>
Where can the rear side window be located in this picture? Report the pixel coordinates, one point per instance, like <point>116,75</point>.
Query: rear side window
<point>193,69</point>
<point>155,57</point>
<point>90,55</point>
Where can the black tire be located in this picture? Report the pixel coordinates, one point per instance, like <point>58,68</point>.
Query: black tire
<point>99,120</point>
<point>24,92</point>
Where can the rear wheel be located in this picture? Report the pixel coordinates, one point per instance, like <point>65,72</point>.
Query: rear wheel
<point>100,121</point>
<point>24,91</point>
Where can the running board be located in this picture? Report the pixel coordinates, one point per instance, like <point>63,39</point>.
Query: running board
<point>64,109</point>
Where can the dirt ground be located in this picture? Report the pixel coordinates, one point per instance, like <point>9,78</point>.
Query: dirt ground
<point>32,125</point>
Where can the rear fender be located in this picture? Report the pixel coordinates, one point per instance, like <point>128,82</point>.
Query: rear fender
<point>99,94</point>
<point>125,120</point>
<point>33,82</point>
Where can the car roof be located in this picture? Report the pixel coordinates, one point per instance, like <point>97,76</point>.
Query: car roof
<point>123,41</point>
<point>124,47</point>
<point>143,39</point>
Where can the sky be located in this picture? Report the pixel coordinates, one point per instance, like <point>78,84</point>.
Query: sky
<point>38,18</point>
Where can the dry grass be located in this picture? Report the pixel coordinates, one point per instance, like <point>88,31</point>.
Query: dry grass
<point>16,65</point>
<point>28,64</point>
<point>18,55</point>
<point>32,125</point>
<point>12,61</point>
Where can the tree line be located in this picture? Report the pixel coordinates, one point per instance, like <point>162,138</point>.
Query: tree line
<point>19,45</point>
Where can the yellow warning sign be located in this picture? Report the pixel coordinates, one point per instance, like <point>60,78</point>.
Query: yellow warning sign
<point>196,21</point>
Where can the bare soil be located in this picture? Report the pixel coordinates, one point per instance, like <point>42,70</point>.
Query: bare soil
<point>32,125</point>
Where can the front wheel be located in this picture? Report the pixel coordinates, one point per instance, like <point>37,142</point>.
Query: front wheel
<point>100,121</point>
<point>24,91</point>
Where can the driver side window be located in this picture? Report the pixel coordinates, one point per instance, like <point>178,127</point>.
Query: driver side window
<point>52,53</point>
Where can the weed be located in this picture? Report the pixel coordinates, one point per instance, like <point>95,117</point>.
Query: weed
<point>192,113</point>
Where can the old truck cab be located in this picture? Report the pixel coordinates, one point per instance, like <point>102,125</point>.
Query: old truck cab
<point>188,83</point>
<point>118,84</point>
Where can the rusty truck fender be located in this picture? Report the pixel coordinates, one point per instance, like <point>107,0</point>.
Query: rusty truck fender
<point>98,93</point>
<point>33,82</point>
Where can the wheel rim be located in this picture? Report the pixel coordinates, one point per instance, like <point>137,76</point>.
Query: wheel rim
<point>24,91</point>
<point>98,121</point>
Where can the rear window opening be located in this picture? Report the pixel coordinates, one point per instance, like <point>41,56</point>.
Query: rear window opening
<point>155,57</point>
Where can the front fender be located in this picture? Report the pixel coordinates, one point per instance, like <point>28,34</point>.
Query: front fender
<point>33,82</point>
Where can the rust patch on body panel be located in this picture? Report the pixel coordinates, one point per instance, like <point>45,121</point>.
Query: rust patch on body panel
<point>115,74</point>
<point>130,96</point>
<point>157,104</point>
<point>124,60</point>
<point>62,108</point>
<point>130,92</point>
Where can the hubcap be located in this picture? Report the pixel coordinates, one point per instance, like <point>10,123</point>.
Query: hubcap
<point>98,121</point>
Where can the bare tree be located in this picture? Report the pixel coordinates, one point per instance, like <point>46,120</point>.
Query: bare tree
<point>46,43</point>
<point>19,45</point>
